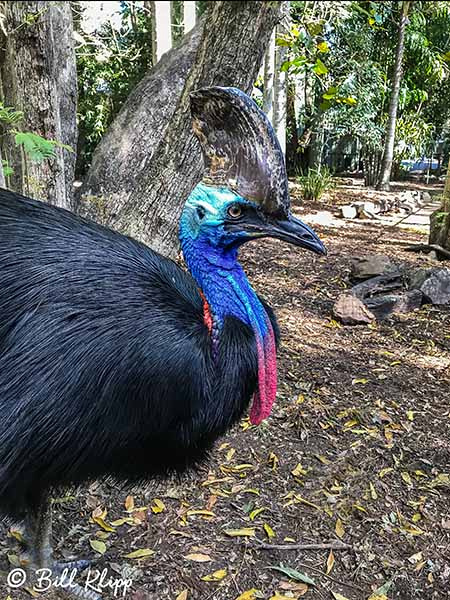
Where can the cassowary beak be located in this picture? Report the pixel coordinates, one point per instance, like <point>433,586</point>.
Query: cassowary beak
<point>258,225</point>
<point>295,232</point>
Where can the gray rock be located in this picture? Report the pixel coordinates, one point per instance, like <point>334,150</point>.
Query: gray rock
<point>436,288</point>
<point>349,211</point>
<point>433,283</point>
<point>417,277</point>
<point>388,304</point>
<point>426,198</point>
<point>351,311</point>
<point>371,265</point>
<point>366,210</point>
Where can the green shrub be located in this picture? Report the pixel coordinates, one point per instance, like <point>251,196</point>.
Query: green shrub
<point>316,183</point>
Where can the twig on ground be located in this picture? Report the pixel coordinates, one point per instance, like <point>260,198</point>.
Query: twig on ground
<point>324,546</point>
<point>322,574</point>
<point>427,248</point>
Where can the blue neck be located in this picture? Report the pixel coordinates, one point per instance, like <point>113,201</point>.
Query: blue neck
<point>223,282</point>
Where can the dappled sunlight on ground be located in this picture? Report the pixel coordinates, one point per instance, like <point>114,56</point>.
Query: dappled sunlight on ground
<point>357,450</point>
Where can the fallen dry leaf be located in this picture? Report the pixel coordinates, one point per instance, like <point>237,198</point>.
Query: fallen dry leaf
<point>198,557</point>
<point>244,532</point>
<point>158,506</point>
<point>141,553</point>
<point>216,576</point>
<point>298,589</point>
<point>248,595</point>
<point>339,529</point>
<point>129,503</point>
<point>98,546</point>
<point>330,562</point>
<point>338,596</point>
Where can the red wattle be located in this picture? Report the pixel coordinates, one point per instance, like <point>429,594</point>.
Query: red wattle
<point>267,376</point>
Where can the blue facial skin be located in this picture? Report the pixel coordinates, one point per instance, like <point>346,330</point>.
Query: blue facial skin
<point>211,254</point>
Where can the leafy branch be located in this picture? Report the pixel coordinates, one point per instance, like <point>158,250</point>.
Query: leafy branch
<point>36,147</point>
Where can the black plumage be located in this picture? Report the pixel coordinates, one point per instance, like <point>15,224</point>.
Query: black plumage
<point>106,365</point>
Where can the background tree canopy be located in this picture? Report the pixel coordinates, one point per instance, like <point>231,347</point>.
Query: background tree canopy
<point>355,87</point>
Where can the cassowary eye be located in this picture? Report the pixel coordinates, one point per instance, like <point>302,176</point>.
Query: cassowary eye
<point>234,211</point>
<point>200,212</point>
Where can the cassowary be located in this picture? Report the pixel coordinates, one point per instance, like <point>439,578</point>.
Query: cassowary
<point>114,361</point>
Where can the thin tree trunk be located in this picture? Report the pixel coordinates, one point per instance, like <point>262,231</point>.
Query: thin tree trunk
<point>2,173</point>
<point>280,81</point>
<point>388,154</point>
<point>150,6</point>
<point>148,162</point>
<point>292,148</point>
<point>162,27</point>
<point>307,138</point>
<point>440,219</point>
<point>189,15</point>
<point>280,97</point>
<point>269,72</point>
<point>38,77</point>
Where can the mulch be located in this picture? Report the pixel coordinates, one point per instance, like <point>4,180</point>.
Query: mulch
<point>356,456</point>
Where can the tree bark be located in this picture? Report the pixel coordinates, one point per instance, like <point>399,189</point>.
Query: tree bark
<point>440,219</point>
<point>148,162</point>
<point>38,77</point>
<point>388,153</point>
<point>269,72</point>
<point>280,81</point>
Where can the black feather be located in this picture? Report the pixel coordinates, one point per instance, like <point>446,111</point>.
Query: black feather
<point>106,366</point>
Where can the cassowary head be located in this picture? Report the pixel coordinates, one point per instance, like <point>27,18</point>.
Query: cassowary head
<point>243,196</point>
<point>244,192</point>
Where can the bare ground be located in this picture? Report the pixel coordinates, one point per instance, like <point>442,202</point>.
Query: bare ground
<point>357,452</point>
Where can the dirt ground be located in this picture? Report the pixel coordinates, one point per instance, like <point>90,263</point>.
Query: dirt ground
<point>356,455</point>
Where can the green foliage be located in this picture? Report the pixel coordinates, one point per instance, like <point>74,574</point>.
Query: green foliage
<point>110,62</point>
<point>316,183</point>
<point>7,170</point>
<point>36,147</point>
<point>9,116</point>
<point>350,97</point>
<point>414,137</point>
<point>306,45</point>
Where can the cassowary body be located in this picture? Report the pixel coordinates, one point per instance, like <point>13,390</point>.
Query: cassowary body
<point>106,361</point>
<point>113,360</point>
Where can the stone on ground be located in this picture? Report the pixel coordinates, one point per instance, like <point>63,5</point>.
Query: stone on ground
<point>351,311</point>
<point>433,283</point>
<point>365,267</point>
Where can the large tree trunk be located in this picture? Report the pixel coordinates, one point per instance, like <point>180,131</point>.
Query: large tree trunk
<point>440,219</point>
<point>38,77</point>
<point>388,154</point>
<point>148,162</point>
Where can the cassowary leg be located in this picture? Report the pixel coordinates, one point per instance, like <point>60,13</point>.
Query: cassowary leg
<point>38,550</point>
<point>37,533</point>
